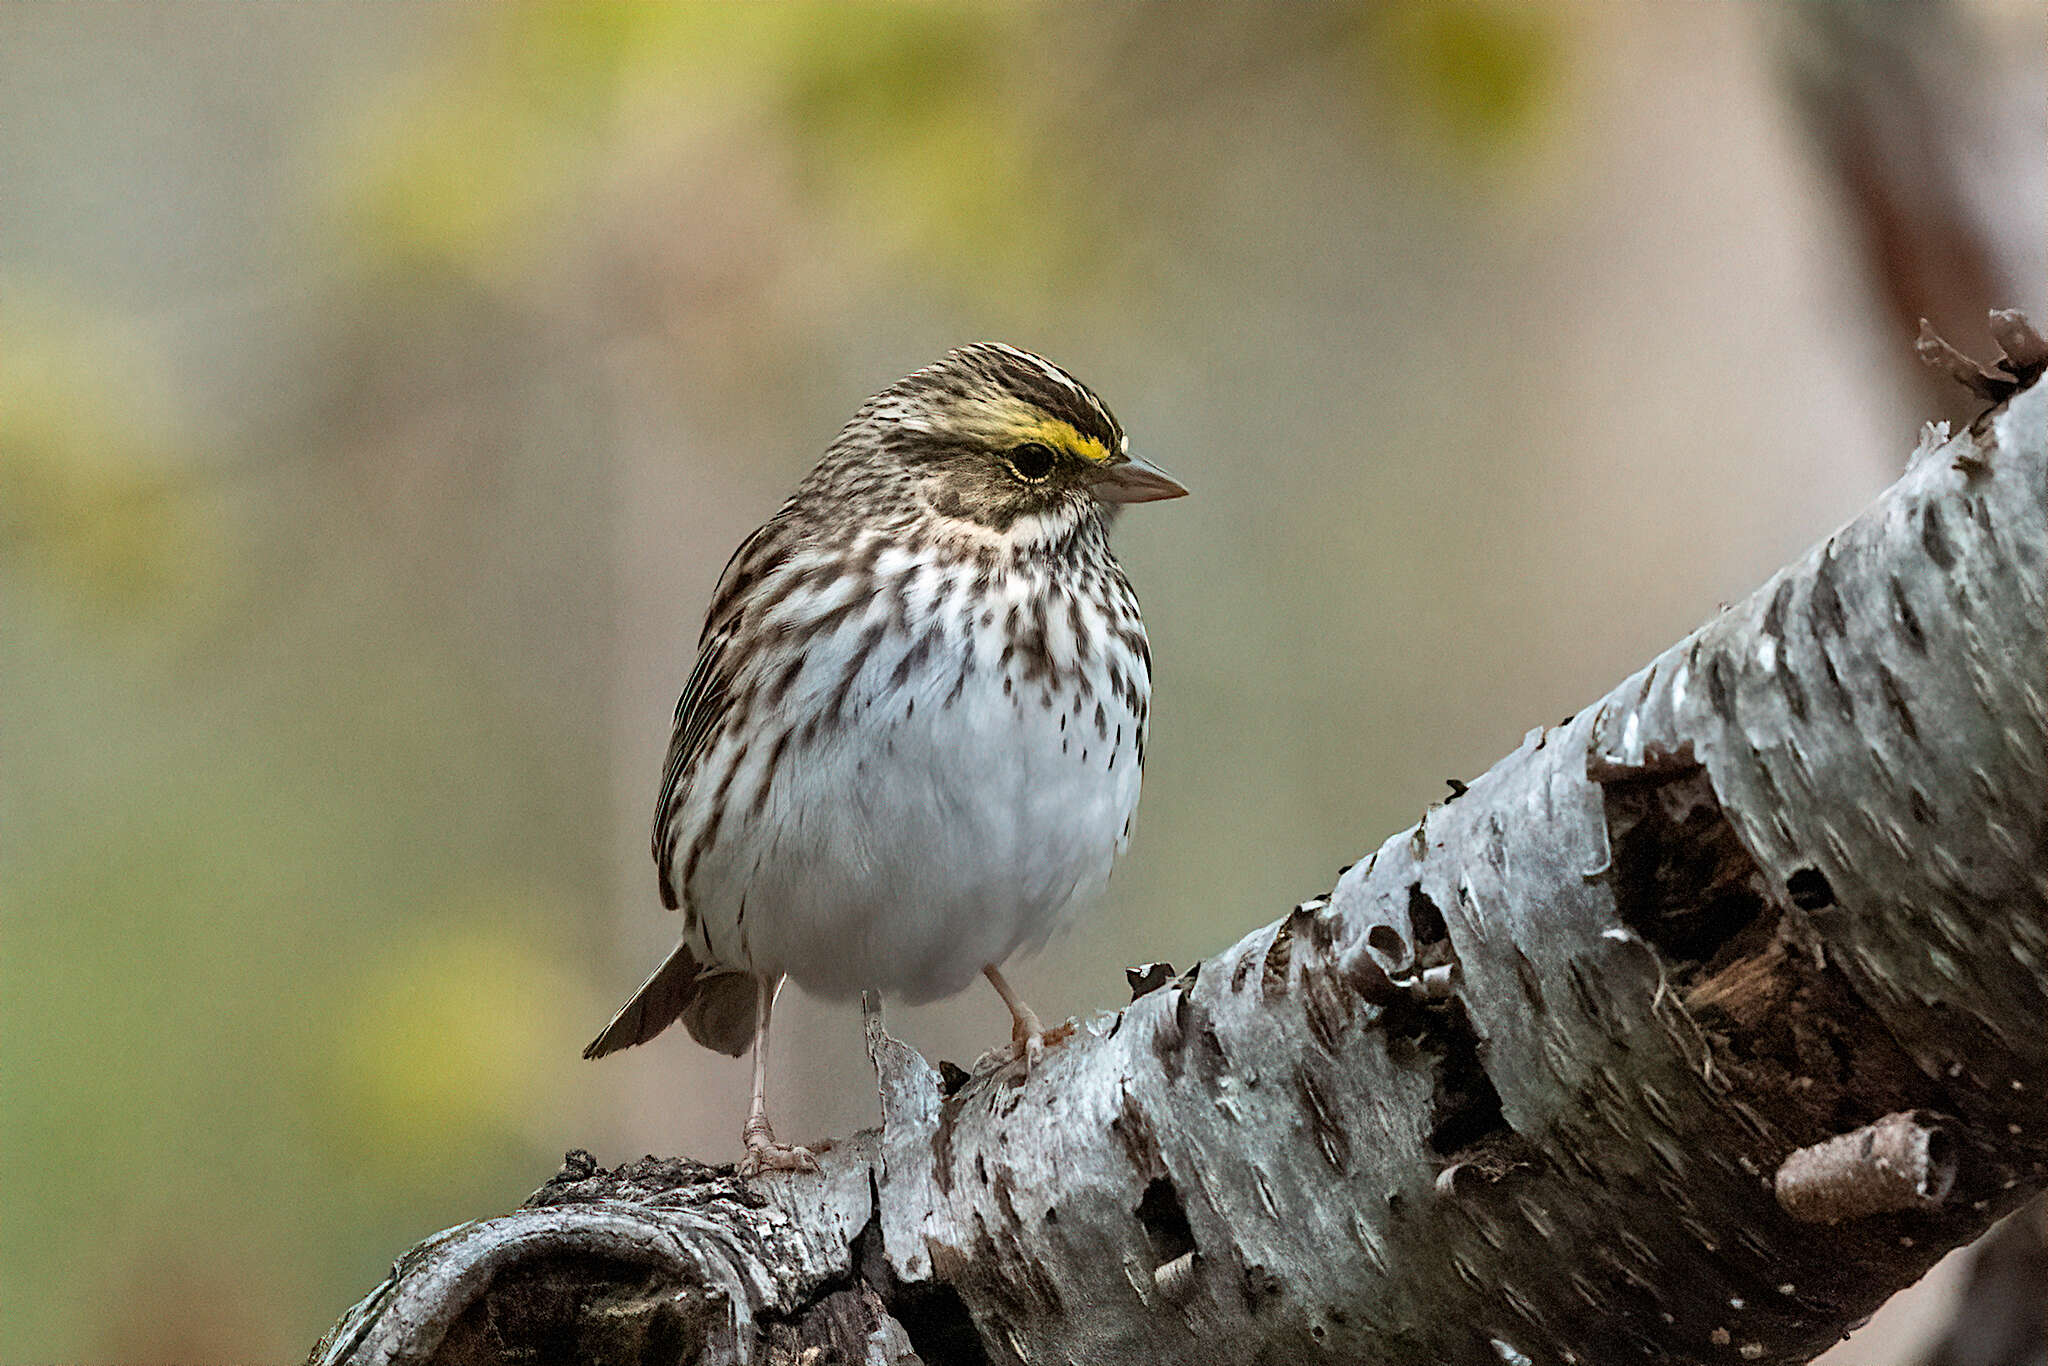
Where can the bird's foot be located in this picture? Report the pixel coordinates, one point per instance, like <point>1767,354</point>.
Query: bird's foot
<point>1027,1040</point>
<point>764,1154</point>
<point>1026,1045</point>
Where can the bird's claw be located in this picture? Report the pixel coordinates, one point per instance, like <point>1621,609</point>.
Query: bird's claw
<point>1032,1047</point>
<point>764,1154</point>
<point>777,1157</point>
<point>1026,1045</point>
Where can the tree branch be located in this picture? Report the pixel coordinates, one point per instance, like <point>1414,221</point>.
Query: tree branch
<point>1517,1090</point>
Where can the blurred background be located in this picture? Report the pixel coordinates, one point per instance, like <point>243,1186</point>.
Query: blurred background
<point>384,388</point>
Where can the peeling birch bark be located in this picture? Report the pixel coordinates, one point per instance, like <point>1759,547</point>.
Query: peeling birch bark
<point>1514,1090</point>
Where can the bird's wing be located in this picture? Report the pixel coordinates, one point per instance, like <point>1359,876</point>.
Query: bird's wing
<point>708,695</point>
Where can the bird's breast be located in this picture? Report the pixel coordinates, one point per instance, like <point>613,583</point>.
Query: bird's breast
<point>951,769</point>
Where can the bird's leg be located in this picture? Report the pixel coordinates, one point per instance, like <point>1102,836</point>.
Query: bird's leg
<point>1027,1036</point>
<point>764,1154</point>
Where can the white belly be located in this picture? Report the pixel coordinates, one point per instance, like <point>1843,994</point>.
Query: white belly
<point>949,825</point>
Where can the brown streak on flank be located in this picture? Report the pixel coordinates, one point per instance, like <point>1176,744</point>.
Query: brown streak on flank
<point>960,679</point>
<point>1077,622</point>
<point>1032,644</point>
<point>834,616</point>
<point>698,846</point>
<point>913,658</point>
<point>1135,640</point>
<point>773,694</point>
<point>789,581</point>
<point>898,594</point>
<point>869,639</point>
<point>1124,689</point>
<point>768,772</point>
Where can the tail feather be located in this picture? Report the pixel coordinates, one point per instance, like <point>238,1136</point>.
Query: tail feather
<point>715,1004</point>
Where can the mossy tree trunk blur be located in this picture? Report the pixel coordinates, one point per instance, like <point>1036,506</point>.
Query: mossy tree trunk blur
<point>1521,1088</point>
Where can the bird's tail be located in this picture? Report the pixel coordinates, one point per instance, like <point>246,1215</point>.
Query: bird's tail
<point>715,1004</point>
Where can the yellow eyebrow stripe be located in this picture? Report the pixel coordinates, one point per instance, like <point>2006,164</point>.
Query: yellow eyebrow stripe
<point>1062,436</point>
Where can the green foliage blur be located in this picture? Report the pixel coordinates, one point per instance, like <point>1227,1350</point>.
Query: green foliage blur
<point>383,387</point>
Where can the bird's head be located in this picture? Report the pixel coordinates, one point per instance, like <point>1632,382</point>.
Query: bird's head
<point>991,435</point>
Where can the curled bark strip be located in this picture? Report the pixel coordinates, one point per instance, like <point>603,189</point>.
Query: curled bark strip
<point>2025,357</point>
<point>1147,977</point>
<point>1940,355</point>
<point>1902,1162</point>
<point>2026,350</point>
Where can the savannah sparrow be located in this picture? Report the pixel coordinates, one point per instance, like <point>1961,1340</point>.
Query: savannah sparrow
<point>912,740</point>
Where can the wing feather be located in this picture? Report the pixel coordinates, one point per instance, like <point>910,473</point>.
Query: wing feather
<point>708,695</point>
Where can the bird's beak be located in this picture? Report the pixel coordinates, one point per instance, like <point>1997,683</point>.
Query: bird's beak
<point>1136,481</point>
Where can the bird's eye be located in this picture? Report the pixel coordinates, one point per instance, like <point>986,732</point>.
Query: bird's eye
<point>1031,462</point>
